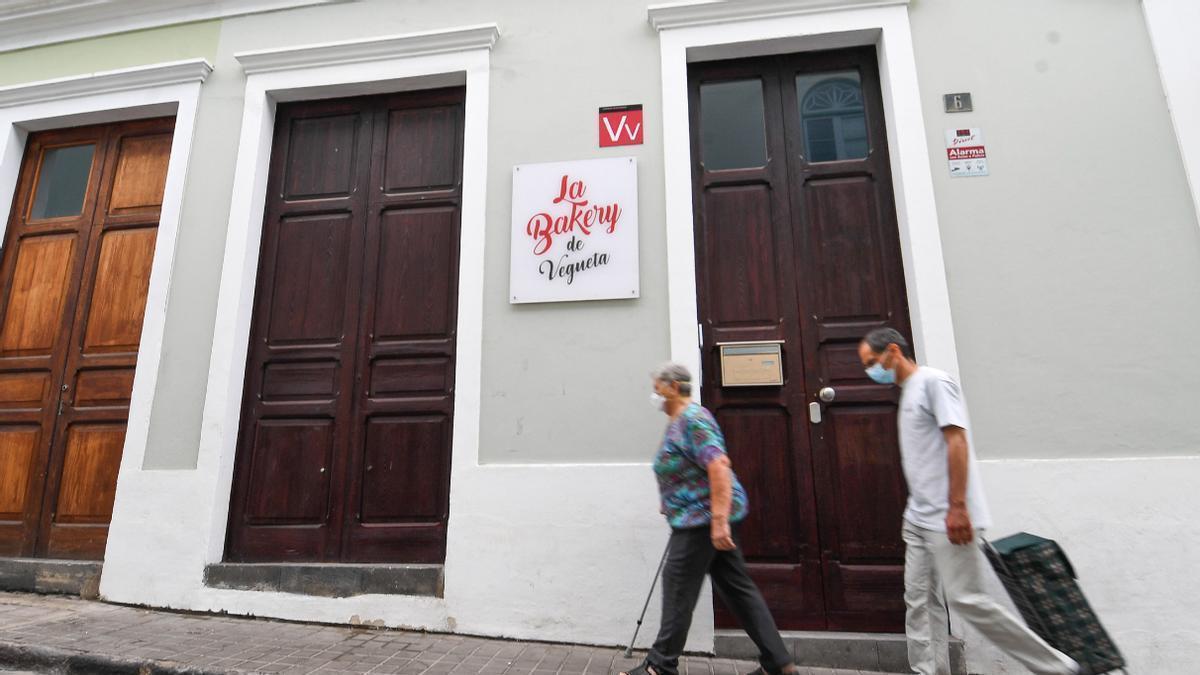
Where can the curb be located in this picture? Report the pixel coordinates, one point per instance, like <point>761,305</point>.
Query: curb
<point>66,662</point>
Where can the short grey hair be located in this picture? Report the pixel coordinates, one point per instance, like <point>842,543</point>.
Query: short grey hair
<point>879,339</point>
<point>672,372</point>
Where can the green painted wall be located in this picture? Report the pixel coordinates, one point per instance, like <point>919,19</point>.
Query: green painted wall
<point>110,52</point>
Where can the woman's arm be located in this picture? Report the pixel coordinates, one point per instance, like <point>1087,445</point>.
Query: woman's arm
<point>720,481</point>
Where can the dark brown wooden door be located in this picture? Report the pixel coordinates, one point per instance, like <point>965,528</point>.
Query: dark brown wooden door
<point>796,241</point>
<point>74,277</point>
<point>344,448</point>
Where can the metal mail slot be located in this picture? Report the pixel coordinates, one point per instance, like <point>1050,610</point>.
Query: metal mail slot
<point>752,364</point>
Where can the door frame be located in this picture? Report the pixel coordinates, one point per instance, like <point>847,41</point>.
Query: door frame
<point>156,90</point>
<point>706,31</point>
<point>430,60</point>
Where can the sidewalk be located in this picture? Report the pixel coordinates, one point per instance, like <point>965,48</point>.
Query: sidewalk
<point>54,634</point>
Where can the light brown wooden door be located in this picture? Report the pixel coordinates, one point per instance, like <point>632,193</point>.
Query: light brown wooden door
<point>73,283</point>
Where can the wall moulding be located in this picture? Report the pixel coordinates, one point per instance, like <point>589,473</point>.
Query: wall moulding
<point>107,82</point>
<point>32,23</point>
<point>706,12</point>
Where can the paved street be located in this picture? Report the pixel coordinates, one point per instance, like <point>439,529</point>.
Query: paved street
<point>85,637</point>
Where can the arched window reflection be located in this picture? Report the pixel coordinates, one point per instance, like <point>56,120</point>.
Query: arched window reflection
<point>833,117</point>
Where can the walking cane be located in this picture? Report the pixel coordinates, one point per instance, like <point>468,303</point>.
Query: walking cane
<point>661,563</point>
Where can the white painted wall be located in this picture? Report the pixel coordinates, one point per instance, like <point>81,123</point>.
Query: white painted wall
<point>1074,268</point>
<point>1050,273</point>
<point>560,553</point>
<point>1129,527</point>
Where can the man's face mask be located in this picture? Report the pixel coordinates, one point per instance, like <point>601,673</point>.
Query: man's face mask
<point>879,373</point>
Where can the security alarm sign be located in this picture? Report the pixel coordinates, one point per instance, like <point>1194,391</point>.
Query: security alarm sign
<point>621,125</point>
<point>966,153</point>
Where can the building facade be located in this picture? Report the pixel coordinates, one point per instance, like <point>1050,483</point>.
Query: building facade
<point>266,347</point>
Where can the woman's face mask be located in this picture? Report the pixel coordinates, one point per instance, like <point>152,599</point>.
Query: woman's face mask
<point>658,401</point>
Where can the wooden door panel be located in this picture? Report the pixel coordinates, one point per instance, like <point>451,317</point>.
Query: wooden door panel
<point>835,207</point>
<point>864,598</point>
<point>401,454</point>
<point>398,376</point>
<point>37,299</point>
<point>300,381</point>
<point>89,475</point>
<point>324,156</point>
<point>866,491</point>
<point>756,438</point>
<point>118,302</point>
<point>742,277</point>
<point>416,273</point>
<point>289,474</point>
<point>103,387</point>
<point>421,148</point>
<point>141,175</point>
<point>18,454</point>
<point>24,390</point>
<point>794,592</point>
<point>309,279</point>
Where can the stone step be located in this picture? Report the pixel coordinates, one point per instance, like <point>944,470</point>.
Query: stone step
<point>333,580</point>
<point>876,652</point>
<point>38,575</point>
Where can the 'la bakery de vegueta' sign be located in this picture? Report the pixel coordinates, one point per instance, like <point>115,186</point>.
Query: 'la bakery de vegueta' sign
<point>574,231</point>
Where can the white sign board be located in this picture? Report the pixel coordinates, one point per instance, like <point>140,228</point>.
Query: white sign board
<point>966,152</point>
<point>574,231</point>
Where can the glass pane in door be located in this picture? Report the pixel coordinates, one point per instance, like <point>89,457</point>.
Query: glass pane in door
<point>62,182</point>
<point>832,116</point>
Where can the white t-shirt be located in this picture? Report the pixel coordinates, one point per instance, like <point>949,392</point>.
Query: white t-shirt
<point>930,401</point>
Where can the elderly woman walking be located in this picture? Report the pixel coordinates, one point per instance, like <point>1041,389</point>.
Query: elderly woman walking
<point>703,502</point>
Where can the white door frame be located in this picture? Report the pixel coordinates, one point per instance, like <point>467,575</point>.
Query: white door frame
<point>710,30</point>
<point>98,98</point>
<point>377,65</point>
<point>1172,25</point>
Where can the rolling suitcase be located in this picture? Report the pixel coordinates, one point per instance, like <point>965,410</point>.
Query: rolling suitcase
<point>1043,586</point>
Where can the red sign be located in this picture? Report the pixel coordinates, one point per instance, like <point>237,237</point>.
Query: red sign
<point>971,152</point>
<point>621,125</point>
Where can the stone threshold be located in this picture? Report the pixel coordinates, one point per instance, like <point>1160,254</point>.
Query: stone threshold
<point>330,580</point>
<point>48,575</point>
<point>880,652</point>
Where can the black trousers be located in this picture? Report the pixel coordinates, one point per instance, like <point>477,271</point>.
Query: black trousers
<point>690,557</point>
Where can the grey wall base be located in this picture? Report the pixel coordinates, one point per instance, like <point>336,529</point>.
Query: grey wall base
<point>879,652</point>
<point>328,580</point>
<point>35,575</point>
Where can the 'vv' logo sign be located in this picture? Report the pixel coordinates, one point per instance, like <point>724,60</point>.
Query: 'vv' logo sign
<point>621,125</point>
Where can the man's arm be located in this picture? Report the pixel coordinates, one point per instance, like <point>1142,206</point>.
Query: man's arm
<point>720,481</point>
<point>958,520</point>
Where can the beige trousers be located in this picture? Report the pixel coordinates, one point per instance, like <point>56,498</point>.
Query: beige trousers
<point>930,558</point>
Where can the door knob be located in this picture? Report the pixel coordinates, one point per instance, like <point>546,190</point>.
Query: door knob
<point>827,394</point>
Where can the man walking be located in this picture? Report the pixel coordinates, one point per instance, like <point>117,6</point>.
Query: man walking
<point>946,507</point>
